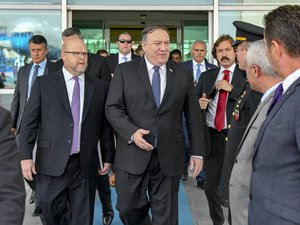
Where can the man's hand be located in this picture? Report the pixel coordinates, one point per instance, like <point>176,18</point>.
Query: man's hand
<point>105,169</point>
<point>13,130</point>
<point>196,165</point>
<point>203,101</point>
<point>138,139</point>
<point>223,85</point>
<point>28,168</point>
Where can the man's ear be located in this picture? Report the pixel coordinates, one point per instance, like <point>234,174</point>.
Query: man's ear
<point>256,71</point>
<point>276,50</point>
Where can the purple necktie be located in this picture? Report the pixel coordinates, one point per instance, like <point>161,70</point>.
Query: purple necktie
<point>75,108</point>
<point>277,96</point>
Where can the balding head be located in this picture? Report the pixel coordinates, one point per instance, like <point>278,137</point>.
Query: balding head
<point>74,55</point>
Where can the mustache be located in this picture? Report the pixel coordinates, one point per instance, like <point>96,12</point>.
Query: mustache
<point>224,58</point>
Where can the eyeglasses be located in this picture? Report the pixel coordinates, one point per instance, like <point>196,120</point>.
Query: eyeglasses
<point>79,54</point>
<point>127,41</point>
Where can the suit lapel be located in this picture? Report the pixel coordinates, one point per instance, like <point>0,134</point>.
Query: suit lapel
<point>88,94</point>
<point>144,76</point>
<point>63,93</point>
<point>171,74</point>
<point>211,80</point>
<point>273,112</point>
<point>237,80</point>
<point>253,118</point>
<point>26,77</point>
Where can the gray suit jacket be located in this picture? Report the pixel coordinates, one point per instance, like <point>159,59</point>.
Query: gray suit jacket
<point>12,190</point>
<point>275,180</point>
<point>20,95</point>
<point>239,183</point>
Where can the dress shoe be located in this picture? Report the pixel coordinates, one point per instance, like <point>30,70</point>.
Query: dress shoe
<point>108,218</point>
<point>112,180</point>
<point>32,197</point>
<point>184,176</point>
<point>200,184</point>
<point>225,202</point>
<point>36,211</point>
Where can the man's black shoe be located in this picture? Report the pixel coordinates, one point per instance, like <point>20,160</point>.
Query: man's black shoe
<point>32,197</point>
<point>36,211</point>
<point>108,218</point>
<point>200,184</point>
<point>184,176</point>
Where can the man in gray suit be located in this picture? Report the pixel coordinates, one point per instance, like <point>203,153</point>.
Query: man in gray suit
<point>261,79</point>
<point>40,65</point>
<point>12,190</point>
<point>275,180</point>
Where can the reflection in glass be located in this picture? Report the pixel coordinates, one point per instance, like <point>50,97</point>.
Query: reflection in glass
<point>15,31</point>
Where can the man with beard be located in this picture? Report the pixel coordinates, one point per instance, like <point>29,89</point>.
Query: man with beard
<point>218,90</point>
<point>66,110</point>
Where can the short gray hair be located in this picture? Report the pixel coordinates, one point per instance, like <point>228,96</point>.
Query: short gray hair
<point>256,55</point>
<point>199,42</point>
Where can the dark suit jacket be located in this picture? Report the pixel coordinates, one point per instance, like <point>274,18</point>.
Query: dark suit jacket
<point>275,180</point>
<point>97,67</point>
<point>130,106</point>
<point>208,65</point>
<point>20,95</point>
<point>48,113</point>
<point>113,61</point>
<point>12,189</point>
<point>206,85</point>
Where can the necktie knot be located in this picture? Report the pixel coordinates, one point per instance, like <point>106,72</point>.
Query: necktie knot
<point>226,75</point>
<point>125,59</point>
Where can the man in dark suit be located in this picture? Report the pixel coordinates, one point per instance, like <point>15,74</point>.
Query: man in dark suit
<point>198,65</point>
<point>12,190</point>
<point>66,110</point>
<point>125,54</point>
<point>262,79</point>
<point>26,75</point>
<point>245,105</point>
<point>218,90</point>
<point>275,180</point>
<point>99,68</point>
<point>145,103</point>
<point>97,65</point>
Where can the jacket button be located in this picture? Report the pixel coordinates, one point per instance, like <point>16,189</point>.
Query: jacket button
<point>69,141</point>
<point>250,196</point>
<point>226,139</point>
<point>229,126</point>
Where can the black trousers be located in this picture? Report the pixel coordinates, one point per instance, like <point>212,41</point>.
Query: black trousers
<point>64,200</point>
<point>152,189</point>
<point>103,188</point>
<point>213,170</point>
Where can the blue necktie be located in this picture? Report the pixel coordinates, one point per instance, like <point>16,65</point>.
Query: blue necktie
<point>75,108</point>
<point>156,86</point>
<point>198,72</point>
<point>35,73</point>
<point>125,59</point>
<point>277,96</point>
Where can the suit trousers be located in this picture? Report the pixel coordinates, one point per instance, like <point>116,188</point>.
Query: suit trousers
<point>103,187</point>
<point>137,193</point>
<point>64,200</point>
<point>213,169</point>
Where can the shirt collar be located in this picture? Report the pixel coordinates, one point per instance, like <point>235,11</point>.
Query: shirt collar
<point>68,76</point>
<point>269,91</point>
<point>150,66</point>
<point>288,81</point>
<point>195,63</point>
<point>231,69</point>
<point>41,64</point>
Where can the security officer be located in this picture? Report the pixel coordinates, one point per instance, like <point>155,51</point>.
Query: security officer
<point>245,105</point>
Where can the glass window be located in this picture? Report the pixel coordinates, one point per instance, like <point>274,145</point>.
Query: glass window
<point>227,17</point>
<point>257,2</point>
<point>30,1</point>
<point>139,2</point>
<point>16,27</point>
<point>193,30</point>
